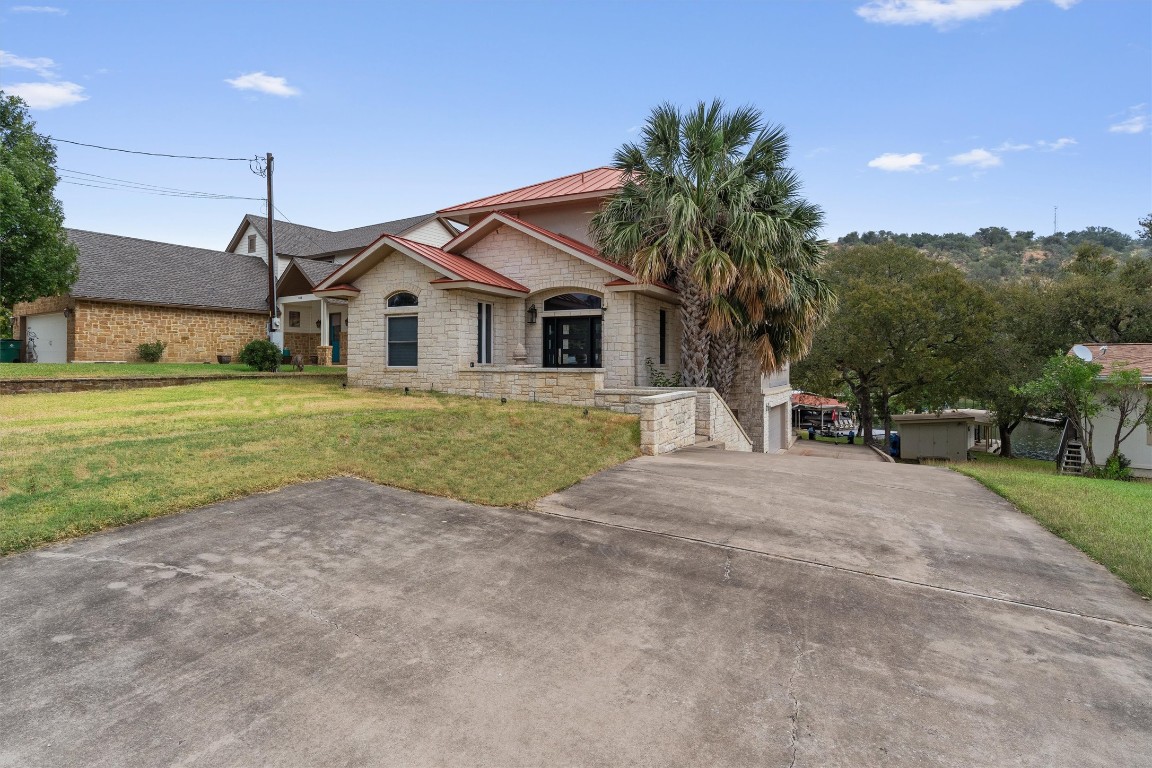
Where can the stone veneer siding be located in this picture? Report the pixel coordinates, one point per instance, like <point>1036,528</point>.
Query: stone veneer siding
<point>106,331</point>
<point>712,420</point>
<point>667,422</point>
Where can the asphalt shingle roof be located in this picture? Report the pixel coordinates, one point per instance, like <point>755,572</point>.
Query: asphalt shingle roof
<point>316,271</point>
<point>310,242</point>
<point>116,268</point>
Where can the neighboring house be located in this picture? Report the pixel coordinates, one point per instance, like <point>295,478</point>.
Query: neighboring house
<point>299,241</point>
<point>1138,446</point>
<point>312,326</point>
<point>948,435</point>
<point>200,303</point>
<point>521,305</point>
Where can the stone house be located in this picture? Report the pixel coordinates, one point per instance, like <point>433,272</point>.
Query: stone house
<point>201,303</point>
<point>313,326</point>
<point>521,305</point>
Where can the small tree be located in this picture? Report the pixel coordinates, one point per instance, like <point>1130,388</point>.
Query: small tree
<point>1124,392</point>
<point>1070,386</point>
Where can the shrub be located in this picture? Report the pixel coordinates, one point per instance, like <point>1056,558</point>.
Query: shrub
<point>151,353</point>
<point>261,354</point>
<point>1116,468</point>
<point>658,378</point>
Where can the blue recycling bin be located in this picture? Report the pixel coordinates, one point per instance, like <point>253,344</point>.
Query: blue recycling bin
<point>894,445</point>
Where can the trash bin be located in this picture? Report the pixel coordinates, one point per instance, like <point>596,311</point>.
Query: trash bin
<point>894,445</point>
<point>10,350</point>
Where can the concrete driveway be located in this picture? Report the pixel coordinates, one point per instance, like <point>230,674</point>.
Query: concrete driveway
<point>706,608</point>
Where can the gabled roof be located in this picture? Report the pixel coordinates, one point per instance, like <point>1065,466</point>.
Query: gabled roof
<point>594,183</point>
<point>312,242</point>
<point>130,270</point>
<point>452,267</point>
<point>1111,356</point>
<point>314,271</point>
<point>492,221</point>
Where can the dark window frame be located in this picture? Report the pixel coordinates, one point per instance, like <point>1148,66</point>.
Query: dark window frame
<point>397,346</point>
<point>293,319</point>
<point>483,333</point>
<point>403,299</point>
<point>251,243</point>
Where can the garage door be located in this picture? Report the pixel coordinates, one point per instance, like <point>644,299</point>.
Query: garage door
<point>51,337</point>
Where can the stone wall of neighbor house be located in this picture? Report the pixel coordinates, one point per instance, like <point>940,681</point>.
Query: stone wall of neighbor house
<point>758,401</point>
<point>107,331</point>
<point>302,343</point>
<point>667,422</point>
<point>43,306</point>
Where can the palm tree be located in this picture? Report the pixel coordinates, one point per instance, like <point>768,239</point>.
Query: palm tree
<point>708,206</point>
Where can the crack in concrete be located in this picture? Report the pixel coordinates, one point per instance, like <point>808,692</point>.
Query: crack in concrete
<point>211,576</point>
<point>727,565</point>
<point>841,568</point>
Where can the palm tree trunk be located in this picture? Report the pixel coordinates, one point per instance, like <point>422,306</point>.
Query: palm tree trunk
<point>722,362</point>
<point>694,339</point>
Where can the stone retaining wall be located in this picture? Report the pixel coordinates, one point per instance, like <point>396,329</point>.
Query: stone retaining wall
<point>713,419</point>
<point>34,386</point>
<point>667,422</point>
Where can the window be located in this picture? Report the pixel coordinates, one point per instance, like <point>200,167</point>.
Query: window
<point>402,344</point>
<point>403,299</point>
<point>293,319</point>
<point>483,333</point>
<point>251,243</point>
<point>573,342</point>
<point>663,337</point>
<point>570,301</point>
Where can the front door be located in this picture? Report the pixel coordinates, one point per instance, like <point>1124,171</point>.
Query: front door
<point>573,342</point>
<point>334,320</point>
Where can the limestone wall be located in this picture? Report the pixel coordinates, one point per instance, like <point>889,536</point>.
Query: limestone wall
<point>667,422</point>
<point>106,331</point>
<point>715,421</point>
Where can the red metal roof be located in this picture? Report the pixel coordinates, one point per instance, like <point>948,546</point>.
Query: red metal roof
<point>815,401</point>
<point>586,182</point>
<point>462,267</point>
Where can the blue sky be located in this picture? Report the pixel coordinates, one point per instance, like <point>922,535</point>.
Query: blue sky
<point>907,115</point>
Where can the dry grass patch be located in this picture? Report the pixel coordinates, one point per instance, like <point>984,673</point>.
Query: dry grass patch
<point>80,462</point>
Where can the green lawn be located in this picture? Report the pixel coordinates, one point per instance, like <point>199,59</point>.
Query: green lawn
<point>112,370</point>
<point>1110,520</point>
<point>79,462</point>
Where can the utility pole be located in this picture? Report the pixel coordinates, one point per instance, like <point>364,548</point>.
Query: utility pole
<point>275,335</point>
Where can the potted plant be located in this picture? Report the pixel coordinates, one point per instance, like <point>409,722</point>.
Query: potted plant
<point>223,359</point>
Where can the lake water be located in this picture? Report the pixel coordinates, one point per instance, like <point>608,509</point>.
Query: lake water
<point>1034,440</point>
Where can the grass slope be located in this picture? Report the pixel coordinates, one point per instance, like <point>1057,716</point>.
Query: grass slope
<point>1109,520</point>
<point>80,462</point>
<point>114,370</point>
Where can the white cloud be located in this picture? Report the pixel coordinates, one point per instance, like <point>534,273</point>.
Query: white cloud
<point>258,81</point>
<point>1136,122</point>
<point>39,9</point>
<point>48,95</point>
<point>40,65</point>
<point>1053,146</point>
<point>892,161</point>
<point>1010,147</point>
<point>979,158</point>
<point>939,13</point>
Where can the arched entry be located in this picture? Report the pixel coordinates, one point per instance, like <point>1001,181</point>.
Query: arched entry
<point>573,331</point>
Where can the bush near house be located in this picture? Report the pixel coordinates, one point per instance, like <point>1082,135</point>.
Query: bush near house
<point>151,353</point>
<point>261,354</point>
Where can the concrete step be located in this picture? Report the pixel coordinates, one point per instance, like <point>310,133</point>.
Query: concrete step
<point>710,444</point>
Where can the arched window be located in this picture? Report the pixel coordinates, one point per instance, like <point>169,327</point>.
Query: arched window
<point>403,299</point>
<point>570,301</point>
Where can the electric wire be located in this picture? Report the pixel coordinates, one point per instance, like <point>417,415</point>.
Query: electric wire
<point>155,154</point>
<point>96,181</point>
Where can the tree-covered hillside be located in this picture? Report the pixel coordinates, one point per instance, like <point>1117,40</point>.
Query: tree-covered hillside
<point>993,254</point>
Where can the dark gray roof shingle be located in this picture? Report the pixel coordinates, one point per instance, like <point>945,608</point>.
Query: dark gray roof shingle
<point>310,242</point>
<point>315,271</point>
<point>116,268</point>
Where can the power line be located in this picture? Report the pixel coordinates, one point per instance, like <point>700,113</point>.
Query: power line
<point>109,182</point>
<point>304,227</point>
<point>153,154</point>
<point>157,192</point>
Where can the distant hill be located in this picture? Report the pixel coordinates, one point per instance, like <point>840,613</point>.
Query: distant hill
<point>993,253</point>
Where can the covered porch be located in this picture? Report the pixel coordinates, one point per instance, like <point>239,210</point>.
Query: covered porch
<point>314,326</point>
